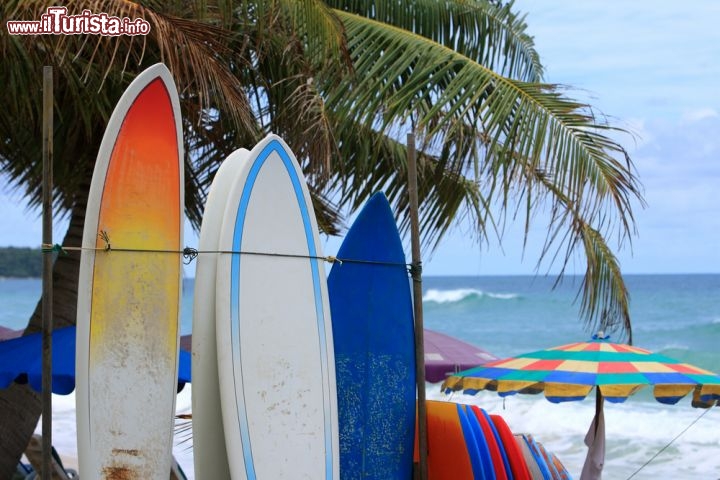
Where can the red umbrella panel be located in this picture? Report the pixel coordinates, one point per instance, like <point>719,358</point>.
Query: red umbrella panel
<point>21,361</point>
<point>569,372</point>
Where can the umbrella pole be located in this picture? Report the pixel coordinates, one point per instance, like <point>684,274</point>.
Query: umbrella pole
<point>47,298</point>
<point>598,406</point>
<point>595,459</point>
<point>416,273</point>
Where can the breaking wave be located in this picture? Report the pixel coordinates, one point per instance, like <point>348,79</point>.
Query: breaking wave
<point>463,294</point>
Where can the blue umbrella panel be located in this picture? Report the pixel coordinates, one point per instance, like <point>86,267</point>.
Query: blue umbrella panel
<point>21,362</point>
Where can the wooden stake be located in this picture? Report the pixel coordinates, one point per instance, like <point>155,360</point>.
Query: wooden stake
<point>416,273</point>
<point>47,301</point>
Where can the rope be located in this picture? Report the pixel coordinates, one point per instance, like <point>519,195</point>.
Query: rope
<point>47,248</point>
<point>669,443</point>
<point>415,270</point>
<point>189,254</point>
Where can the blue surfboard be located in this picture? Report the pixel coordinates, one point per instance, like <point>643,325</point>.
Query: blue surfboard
<point>475,444</point>
<point>539,459</point>
<point>373,336</point>
<point>498,441</point>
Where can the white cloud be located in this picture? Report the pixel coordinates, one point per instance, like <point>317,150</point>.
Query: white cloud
<point>692,116</point>
<point>640,135</point>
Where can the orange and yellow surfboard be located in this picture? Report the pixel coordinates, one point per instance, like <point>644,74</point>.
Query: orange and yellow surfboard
<point>130,287</point>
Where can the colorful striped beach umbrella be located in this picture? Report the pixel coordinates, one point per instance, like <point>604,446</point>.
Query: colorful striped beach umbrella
<point>569,372</point>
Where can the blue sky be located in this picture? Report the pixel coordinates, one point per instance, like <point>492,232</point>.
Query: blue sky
<point>653,66</point>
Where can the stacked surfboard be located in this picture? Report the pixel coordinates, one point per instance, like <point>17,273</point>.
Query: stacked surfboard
<point>465,442</point>
<point>209,451</point>
<point>265,402</point>
<point>264,346</point>
<point>374,348</point>
<point>130,286</point>
<point>262,338</point>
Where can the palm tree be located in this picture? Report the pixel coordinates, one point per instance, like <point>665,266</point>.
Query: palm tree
<point>342,82</point>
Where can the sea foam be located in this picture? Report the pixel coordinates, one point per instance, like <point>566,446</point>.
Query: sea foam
<point>460,294</point>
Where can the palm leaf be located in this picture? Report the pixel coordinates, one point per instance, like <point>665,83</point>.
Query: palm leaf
<point>489,33</point>
<point>397,72</point>
<point>605,298</point>
<point>92,73</point>
<point>372,162</point>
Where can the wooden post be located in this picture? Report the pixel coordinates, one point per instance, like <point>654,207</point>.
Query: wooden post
<point>47,299</point>
<point>416,273</point>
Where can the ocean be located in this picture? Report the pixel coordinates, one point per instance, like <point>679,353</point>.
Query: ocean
<point>676,315</point>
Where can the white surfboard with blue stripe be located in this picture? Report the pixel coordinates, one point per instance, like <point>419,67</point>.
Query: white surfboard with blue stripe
<point>274,339</point>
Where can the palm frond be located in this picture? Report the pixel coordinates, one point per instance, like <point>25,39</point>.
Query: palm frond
<point>295,110</point>
<point>308,23</point>
<point>182,430</point>
<point>94,71</point>
<point>490,34</point>
<point>605,300</point>
<point>403,78</point>
<point>516,139</point>
<point>372,161</point>
<point>605,303</point>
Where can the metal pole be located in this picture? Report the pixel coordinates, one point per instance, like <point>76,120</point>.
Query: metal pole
<point>47,301</point>
<point>416,273</point>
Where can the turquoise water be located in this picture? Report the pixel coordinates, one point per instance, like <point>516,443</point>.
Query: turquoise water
<point>677,315</point>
